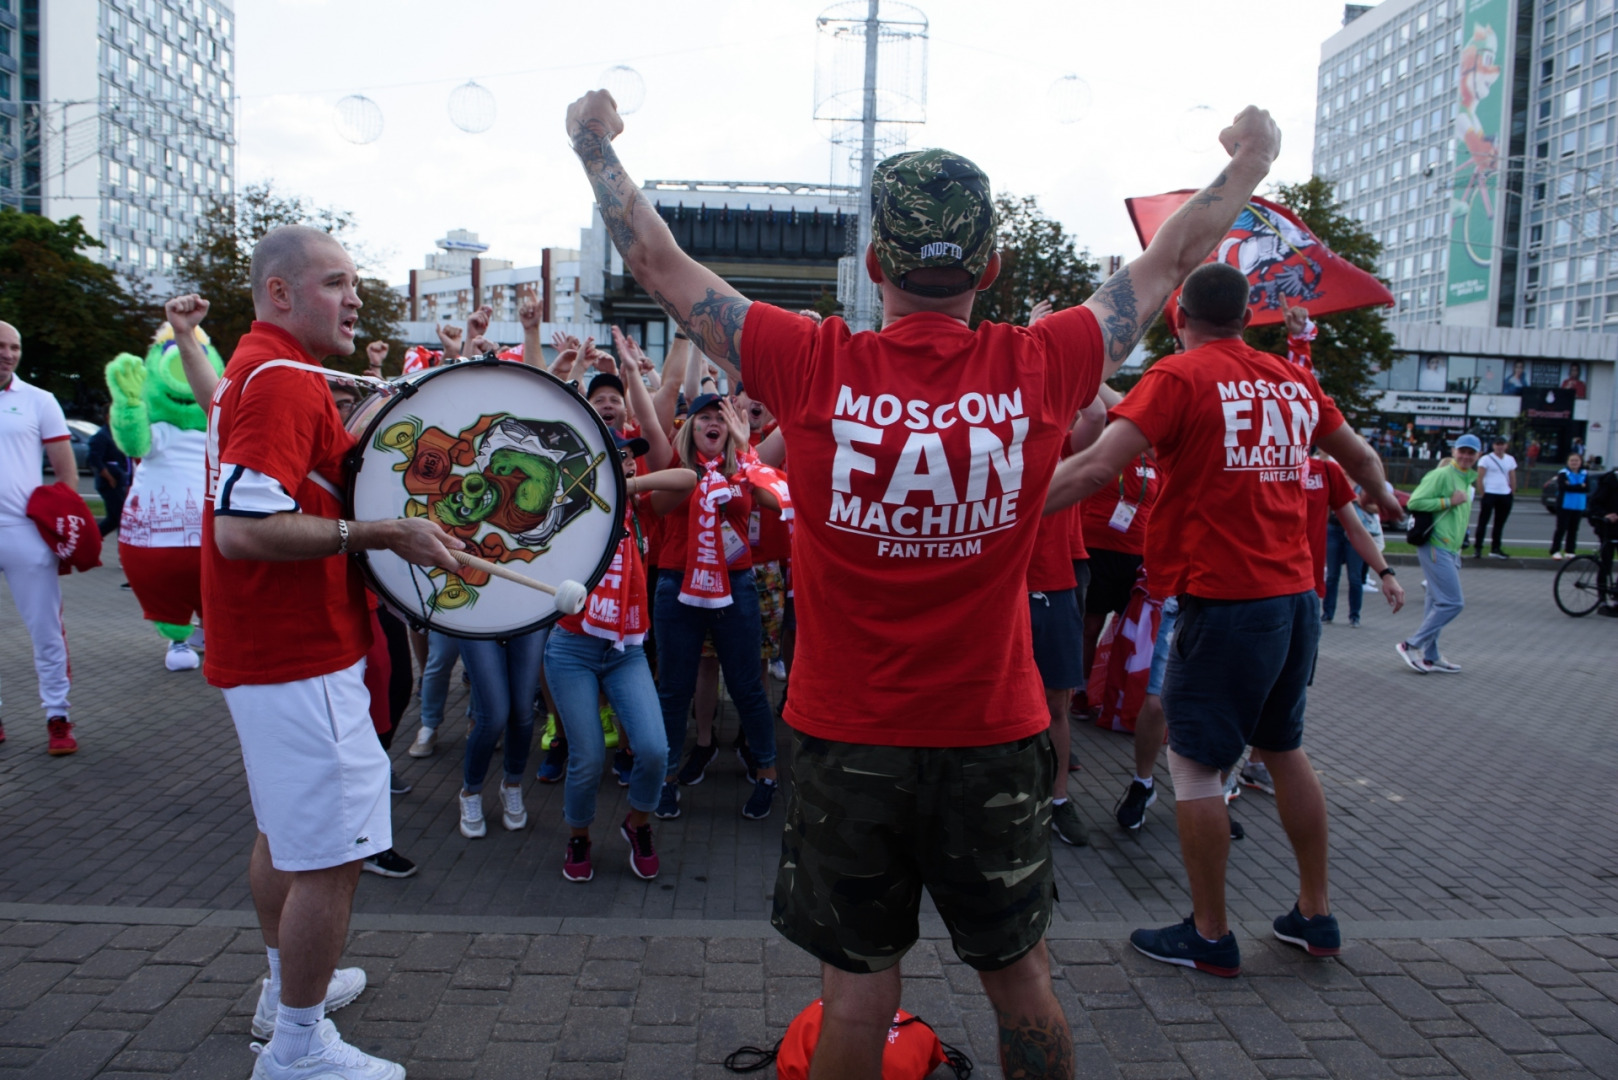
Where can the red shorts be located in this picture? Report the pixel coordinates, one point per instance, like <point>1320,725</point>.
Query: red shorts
<point>167,581</point>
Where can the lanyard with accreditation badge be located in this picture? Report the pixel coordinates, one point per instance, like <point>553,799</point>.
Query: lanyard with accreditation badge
<point>1123,515</point>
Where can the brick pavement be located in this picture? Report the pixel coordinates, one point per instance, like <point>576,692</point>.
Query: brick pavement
<point>1473,865</point>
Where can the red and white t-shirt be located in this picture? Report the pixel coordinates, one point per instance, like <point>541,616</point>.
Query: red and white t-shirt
<point>1329,489</point>
<point>29,418</point>
<point>1232,427</point>
<point>920,460</point>
<point>1110,528</point>
<point>275,428</point>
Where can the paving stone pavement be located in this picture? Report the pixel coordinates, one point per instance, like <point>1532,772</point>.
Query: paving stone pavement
<point>1471,864</point>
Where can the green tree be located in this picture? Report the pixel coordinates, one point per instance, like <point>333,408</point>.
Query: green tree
<point>74,313</point>
<point>1039,260</point>
<point>217,260</point>
<point>1352,345</point>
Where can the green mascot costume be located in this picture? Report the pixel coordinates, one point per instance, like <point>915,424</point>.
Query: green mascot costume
<point>156,418</point>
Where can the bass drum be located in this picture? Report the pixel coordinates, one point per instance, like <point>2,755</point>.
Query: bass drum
<point>507,458</point>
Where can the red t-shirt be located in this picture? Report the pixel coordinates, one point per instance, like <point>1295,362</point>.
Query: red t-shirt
<point>1051,567</point>
<point>1329,489</point>
<point>1232,427</point>
<point>920,460</point>
<point>767,534</point>
<point>276,622</point>
<point>1136,486</point>
<point>673,544</point>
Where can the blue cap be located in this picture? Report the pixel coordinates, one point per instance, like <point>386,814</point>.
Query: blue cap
<point>1469,442</point>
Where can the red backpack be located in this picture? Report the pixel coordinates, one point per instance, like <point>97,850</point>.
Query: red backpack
<point>912,1053</point>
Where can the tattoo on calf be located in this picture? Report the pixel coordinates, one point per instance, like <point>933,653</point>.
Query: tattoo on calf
<point>1032,1048</point>
<point>1206,196</point>
<point>1122,325</point>
<point>714,323</point>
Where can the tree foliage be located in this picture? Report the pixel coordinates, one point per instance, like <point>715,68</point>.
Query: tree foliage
<point>217,261</point>
<point>74,314</point>
<point>1039,260</point>
<point>1352,345</point>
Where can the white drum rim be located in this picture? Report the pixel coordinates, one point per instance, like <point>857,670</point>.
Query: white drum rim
<point>407,388</point>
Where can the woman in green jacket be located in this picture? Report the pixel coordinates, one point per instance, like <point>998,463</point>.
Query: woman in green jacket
<point>1446,493</point>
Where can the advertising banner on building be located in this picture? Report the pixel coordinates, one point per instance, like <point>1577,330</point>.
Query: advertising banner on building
<point>1480,139</point>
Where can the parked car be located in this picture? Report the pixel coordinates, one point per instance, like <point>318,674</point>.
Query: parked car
<point>79,432</point>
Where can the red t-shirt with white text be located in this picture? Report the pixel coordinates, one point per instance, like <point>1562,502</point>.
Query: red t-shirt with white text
<point>276,622</point>
<point>1328,489</point>
<point>1232,427</point>
<point>920,460</point>
<point>1136,486</point>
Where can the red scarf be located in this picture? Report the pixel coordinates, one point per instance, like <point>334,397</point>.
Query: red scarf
<point>707,579</point>
<point>616,610</point>
<point>761,475</point>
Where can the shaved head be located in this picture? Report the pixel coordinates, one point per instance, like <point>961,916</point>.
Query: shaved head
<point>1215,295</point>
<point>10,352</point>
<point>284,252</point>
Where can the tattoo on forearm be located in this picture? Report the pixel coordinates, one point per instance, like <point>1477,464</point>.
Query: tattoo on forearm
<point>1207,197</point>
<point>615,192</point>
<point>714,323</point>
<point>1122,324</point>
<point>1034,1048</point>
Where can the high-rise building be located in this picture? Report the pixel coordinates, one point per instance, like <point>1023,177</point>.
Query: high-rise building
<point>121,112</point>
<point>1477,139</point>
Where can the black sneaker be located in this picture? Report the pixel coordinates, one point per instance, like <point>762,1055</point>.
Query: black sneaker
<point>1067,825</point>
<point>1131,809</point>
<point>1182,945</point>
<point>696,763</point>
<point>397,786</point>
<point>1236,830</point>
<point>623,764</point>
<point>744,754</point>
<point>554,767</point>
<point>389,863</point>
<point>1318,936</point>
<point>668,805</point>
<point>758,803</point>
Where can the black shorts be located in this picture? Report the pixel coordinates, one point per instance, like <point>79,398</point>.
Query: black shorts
<point>868,826</point>
<point>1237,676</point>
<point>1058,638</point>
<point>1112,578</point>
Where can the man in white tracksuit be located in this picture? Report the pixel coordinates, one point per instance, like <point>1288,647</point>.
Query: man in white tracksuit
<point>31,419</point>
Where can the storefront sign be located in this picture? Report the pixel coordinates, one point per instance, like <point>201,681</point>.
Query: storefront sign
<point>1409,401</point>
<point>1494,406</point>
<point>1547,404</point>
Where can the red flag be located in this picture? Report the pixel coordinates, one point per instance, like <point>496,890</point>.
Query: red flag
<point>1285,263</point>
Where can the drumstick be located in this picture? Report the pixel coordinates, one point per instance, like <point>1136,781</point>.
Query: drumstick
<point>570,595</point>
<point>579,479</point>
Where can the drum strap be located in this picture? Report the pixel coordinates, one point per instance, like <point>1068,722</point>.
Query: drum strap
<point>325,373</point>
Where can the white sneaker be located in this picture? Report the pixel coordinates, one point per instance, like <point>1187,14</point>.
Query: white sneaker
<point>346,985</point>
<point>1557,555</point>
<point>1444,666</point>
<point>197,641</point>
<point>515,814</point>
<point>329,1058</point>
<point>181,657</point>
<point>426,739</point>
<point>778,670</point>
<point>472,825</point>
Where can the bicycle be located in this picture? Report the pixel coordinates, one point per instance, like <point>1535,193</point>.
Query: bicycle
<point>1579,588</point>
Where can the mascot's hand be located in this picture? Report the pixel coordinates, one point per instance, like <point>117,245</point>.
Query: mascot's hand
<point>126,380</point>
<point>130,422</point>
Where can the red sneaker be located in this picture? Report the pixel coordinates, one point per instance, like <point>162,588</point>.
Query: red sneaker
<point>2,731</point>
<point>642,856</point>
<point>576,865</point>
<point>62,741</point>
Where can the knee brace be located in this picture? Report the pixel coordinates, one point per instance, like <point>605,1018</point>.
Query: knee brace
<point>1193,779</point>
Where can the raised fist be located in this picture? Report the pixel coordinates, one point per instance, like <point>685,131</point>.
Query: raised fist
<point>1297,319</point>
<point>185,312</point>
<point>450,335</point>
<point>477,324</point>
<point>1253,134</point>
<point>375,353</point>
<point>528,313</point>
<point>596,113</point>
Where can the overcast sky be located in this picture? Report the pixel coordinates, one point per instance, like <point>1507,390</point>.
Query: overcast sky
<point>730,96</point>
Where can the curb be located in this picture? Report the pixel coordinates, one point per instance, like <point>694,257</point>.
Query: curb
<point>1469,563</point>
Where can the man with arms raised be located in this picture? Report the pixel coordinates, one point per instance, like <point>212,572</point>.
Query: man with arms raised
<point>288,631</point>
<point>1229,536</point>
<point>920,458</point>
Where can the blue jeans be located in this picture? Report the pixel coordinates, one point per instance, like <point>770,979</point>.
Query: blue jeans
<point>505,679</point>
<point>1338,552</point>
<point>1444,601</point>
<point>737,630</point>
<point>577,669</point>
<point>442,651</point>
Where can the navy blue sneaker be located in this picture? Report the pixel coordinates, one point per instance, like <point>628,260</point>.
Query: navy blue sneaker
<point>1181,944</point>
<point>1318,936</point>
<point>668,805</point>
<point>758,803</point>
<point>623,763</point>
<point>554,767</point>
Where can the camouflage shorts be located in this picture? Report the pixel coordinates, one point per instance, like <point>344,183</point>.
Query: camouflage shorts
<point>868,826</point>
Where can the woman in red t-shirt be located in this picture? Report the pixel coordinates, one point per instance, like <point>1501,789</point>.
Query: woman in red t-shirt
<point>707,588</point>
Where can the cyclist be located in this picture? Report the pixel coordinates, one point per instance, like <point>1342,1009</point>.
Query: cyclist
<point>1602,510</point>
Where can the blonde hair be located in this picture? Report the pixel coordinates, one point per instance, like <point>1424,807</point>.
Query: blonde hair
<point>685,446</point>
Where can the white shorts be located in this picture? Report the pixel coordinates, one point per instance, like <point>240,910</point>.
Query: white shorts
<point>316,771</point>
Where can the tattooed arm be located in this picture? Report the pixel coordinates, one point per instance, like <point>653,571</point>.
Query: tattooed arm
<point>710,311</point>
<point>1126,305</point>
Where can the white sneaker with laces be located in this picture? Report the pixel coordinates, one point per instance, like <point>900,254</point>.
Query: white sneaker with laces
<point>346,985</point>
<point>514,815</point>
<point>181,657</point>
<point>426,739</point>
<point>472,825</point>
<point>1443,665</point>
<point>329,1058</point>
<point>778,670</point>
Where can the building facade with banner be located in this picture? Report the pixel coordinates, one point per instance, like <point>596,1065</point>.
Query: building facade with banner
<point>1478,140</point>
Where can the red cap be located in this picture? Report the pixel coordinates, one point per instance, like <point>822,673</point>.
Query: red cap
<point>67,526</point>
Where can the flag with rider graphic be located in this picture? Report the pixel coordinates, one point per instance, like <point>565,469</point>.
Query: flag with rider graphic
<point>1286,264</point>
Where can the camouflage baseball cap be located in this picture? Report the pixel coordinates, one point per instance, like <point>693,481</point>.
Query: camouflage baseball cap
<point>931,208</point>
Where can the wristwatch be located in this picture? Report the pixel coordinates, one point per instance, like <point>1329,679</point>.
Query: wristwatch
<point>1386,571</point>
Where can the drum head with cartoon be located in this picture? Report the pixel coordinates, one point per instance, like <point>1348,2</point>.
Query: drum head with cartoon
<point>508,459</point>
